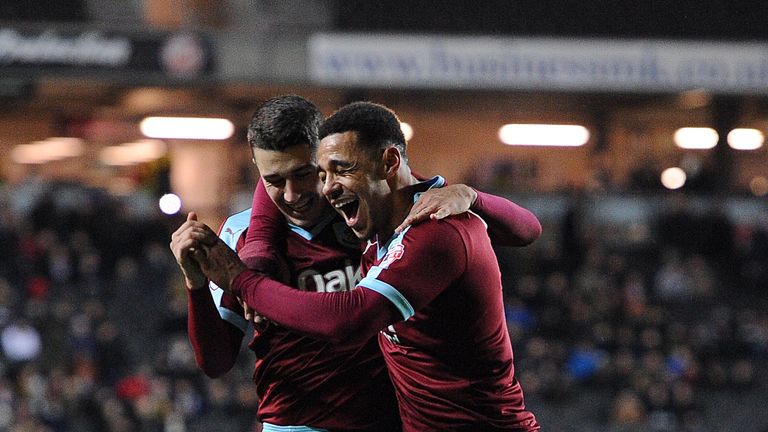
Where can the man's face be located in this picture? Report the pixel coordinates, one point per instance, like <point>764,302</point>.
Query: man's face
<point>354,184</point>
<point>291,181</point>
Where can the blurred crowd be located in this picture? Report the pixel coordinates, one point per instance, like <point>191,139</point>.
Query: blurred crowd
<point>664,327</point>
<point>93,321</point>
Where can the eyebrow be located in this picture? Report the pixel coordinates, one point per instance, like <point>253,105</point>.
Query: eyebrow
<point>336,163</point>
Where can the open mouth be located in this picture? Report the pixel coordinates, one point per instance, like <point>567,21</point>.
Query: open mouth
<point>348,208</point>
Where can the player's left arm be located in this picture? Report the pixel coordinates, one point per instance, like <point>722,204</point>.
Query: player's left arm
<point>414,272</point>
<point>354,315</point>
<point>508,223</point>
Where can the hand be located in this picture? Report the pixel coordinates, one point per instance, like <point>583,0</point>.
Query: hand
<point>440,203</point>
<point>183,245</point>
<point>260,323</point>
<point>216,260</point>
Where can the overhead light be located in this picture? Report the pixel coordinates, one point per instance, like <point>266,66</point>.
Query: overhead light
<point>132,153</point>
<point>147,150</point>
<point>62,147</point>
<point>673,178</point>
<point>696,138</point>
<point>745,139</point>
<point>48,150</point>
<point>28,154</point>
<point>544,135</point>
<point>187,128</point>
<point>116,156</point>
<point>407,130</point>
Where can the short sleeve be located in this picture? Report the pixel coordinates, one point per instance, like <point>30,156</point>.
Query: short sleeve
<point>418,265</point>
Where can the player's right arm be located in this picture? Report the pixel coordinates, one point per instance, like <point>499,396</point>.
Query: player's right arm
<point>265,229</point>
<point>215,341</point>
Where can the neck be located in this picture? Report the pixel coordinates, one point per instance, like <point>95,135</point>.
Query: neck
<point>401,200</point>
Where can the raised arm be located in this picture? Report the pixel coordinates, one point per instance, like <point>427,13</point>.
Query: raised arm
<point>266,230</point>
<point>508,223</point>
<point>216,343</point>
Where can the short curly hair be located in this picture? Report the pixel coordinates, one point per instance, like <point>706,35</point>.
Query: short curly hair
<point>377,127</point>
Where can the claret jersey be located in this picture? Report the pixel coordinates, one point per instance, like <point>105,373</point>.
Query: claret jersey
<point>450,358</point>
<point>433,296</point>
<point>305,381</point>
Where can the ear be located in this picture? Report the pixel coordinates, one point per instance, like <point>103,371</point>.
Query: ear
<point>391,159</point>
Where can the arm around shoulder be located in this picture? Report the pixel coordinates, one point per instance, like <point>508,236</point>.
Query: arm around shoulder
<point>265,231</point>
<point>508,223</point>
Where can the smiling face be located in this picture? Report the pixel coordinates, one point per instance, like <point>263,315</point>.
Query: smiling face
<point>355,185</point>
<point>291,181</point>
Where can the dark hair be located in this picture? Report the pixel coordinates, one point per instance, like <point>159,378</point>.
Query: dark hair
<point>285,121</point>
<point>377,126</point>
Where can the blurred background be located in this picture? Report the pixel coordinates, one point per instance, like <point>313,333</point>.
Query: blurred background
<point>634,130</point>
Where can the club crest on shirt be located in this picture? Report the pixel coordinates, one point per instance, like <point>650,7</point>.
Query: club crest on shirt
<point>394,253</point>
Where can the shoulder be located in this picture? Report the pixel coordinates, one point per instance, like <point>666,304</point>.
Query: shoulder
<point>234,226</point>
<point>461,225</point>
<point>455,235</point>
<point>425,248</point>
<point>240,218</point>
<point>442,234</point>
